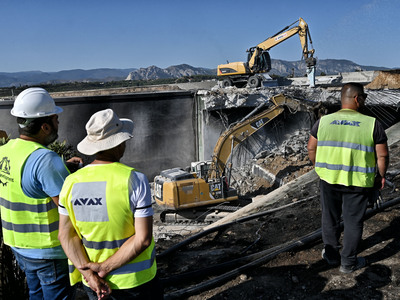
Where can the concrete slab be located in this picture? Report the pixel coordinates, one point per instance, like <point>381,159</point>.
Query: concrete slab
<point>203,85</point>
<point>362,76</point>
<point>338,79</point>
<point>393,134</point>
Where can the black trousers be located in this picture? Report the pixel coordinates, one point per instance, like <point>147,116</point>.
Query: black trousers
<point>336,204</point>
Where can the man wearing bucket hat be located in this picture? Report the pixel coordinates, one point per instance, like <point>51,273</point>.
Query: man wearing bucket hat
<point>32,178</point>
<point>106,217</point>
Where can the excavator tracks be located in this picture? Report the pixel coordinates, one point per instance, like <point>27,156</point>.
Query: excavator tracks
<point>202,215</point>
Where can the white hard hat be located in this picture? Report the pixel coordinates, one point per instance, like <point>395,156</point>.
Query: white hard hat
<point>34,103</point>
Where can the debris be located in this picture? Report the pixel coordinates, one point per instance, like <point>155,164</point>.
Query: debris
<point>385,80</point>
<point>274,168</point>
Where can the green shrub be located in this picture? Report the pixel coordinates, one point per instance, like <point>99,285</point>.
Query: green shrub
<point>4,140</point>
<point>66,151</point>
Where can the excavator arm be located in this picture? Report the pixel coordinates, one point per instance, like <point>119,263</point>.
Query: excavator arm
<point>259,60</point>
<point>242,130</point>
<point>286,33</point>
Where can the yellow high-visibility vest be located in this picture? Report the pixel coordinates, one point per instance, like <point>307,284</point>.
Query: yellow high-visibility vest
<point>346,150</point>
<point>97,200</point>
<point>27,222</point>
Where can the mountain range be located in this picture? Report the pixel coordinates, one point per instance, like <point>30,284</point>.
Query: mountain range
<point>279,67</point>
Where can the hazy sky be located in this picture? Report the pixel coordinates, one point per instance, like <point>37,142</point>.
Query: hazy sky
<point>86,34</point>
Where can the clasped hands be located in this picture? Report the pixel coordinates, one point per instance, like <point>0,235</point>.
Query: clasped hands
<point>94,275</point>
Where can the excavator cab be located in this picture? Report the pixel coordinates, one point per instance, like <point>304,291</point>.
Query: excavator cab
<point>201,168</point>
<point>262,61</point>
<point>265,61</point>
<point>219,186</point>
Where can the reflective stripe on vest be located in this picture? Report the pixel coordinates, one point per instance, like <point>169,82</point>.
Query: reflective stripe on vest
<point>344,168</point>
<point>27,222</point>
<point>97,200</point>
<point>37,208</point>
<point>346,145</point>
<point>136,266</point>
<point>345,149</point>
<point>103,245</point>
<point>29,228</point>
<point>128,268</point>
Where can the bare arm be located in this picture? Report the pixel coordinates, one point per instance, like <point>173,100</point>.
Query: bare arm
<point>73,248</point>
<point>382,160</point>
<point>129,250</point>
<point>74,163</point>
<point>312,148</point>
<point>55,199</point>
<point>75,160</point>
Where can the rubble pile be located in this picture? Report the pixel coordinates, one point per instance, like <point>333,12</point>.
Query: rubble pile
<point>271,169</point>
<point>231,97</point>
<point>385,80</point>
<point>378,94</point>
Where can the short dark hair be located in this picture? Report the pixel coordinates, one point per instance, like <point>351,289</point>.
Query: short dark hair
<point>355,86</point>
<point>32,127</point>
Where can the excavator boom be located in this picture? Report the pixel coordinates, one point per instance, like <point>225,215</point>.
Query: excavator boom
<point>301,30</point>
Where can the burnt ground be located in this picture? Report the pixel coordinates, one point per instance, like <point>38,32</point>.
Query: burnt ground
<point>297,273</point>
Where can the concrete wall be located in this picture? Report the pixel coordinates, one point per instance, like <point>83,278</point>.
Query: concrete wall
<point>164,133</point>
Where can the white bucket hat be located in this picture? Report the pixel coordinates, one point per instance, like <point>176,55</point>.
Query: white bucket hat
<point>105,131</point>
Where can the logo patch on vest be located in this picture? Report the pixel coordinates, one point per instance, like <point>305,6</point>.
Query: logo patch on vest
<point>89,201</point>
<point>5,168</point>
<point>5,165</point>
<point>346,122</point>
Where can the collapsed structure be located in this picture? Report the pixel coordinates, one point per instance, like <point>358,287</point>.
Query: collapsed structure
<point>288,137</point>
<point>277,153</point>
<point>285,220</point>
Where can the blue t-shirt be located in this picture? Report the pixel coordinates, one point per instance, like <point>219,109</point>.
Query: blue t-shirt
<point>43,175</point>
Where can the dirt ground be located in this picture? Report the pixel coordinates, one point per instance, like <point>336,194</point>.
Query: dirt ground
<point>297,273</point>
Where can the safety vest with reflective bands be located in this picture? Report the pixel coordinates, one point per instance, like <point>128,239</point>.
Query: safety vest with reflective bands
<point>346,150</point>
<point>98,204</point>
<point>27,222</point>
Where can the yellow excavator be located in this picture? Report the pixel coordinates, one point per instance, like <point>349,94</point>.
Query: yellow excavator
<point>259,60</point>
<point>207,183</point>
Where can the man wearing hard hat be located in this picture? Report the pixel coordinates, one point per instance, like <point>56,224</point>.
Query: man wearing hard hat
<point>32,177</point>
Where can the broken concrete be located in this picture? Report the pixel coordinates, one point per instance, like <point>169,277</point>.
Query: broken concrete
<point>274,168</point>
<point>335,80</point>
<point>225,98</point>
